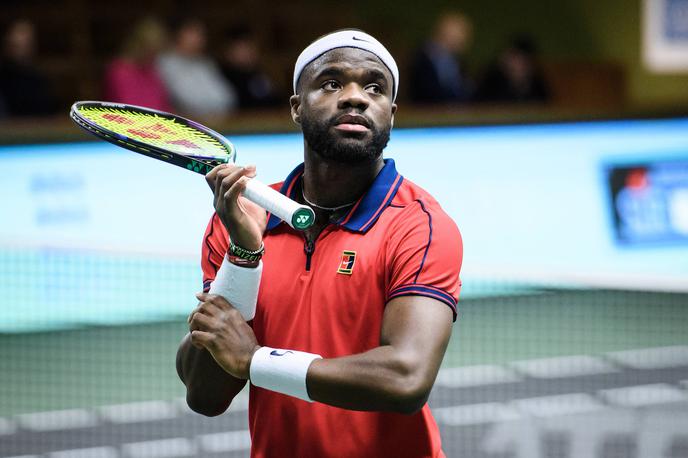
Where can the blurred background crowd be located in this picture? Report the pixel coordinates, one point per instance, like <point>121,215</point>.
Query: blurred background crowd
<point>169,65</point>
<point>217,59</point>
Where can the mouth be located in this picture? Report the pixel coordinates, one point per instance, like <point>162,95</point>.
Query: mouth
<point>352,123</point>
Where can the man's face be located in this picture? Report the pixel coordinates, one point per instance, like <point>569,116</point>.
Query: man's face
<point>345,105</point>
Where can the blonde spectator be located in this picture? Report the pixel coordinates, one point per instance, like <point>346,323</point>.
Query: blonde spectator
<point>133,77</point>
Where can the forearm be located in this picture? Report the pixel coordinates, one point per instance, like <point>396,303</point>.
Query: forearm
<point>396,376</point>
<point>209,388</point>
<point>381,379</point>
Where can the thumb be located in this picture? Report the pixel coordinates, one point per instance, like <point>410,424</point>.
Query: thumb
<point>236,189</point>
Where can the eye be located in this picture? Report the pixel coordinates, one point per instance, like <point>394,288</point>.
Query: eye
<point>374,88</point>
<point>330,85</point>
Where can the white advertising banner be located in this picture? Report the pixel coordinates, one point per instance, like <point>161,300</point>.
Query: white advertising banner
<point>665,35</point>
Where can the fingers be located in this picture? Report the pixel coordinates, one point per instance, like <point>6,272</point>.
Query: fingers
<point>201,319</point>
<point>220,329</point>
<point>232,194</point>
<point>229,173</point>
<point>213,299</point>
<point>202,322</point>
<point>215,177</point>
<point>211,305</point>
<point>202,339</point>
<point>209,317</point>
<point>230,178</point>
<point>211,177</point>
<point>251,170</point>
<point>229,211</point>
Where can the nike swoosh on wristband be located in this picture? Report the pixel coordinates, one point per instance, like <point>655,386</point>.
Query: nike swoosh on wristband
<point>359,39</point>
<point>277,353</point>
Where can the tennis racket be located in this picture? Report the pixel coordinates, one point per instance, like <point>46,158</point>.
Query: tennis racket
<point>182,142</point>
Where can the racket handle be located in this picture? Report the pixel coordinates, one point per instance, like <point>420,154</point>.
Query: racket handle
<point>298,216</point>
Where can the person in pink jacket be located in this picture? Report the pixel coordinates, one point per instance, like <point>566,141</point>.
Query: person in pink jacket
<point>133,77</point>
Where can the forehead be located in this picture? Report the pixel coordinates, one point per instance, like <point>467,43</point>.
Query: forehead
<point>346,59</point>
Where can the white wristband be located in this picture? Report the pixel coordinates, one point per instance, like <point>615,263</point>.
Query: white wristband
<point>281,370</point>
<point>239,285</point>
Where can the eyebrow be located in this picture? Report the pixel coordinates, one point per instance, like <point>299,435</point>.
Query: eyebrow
<point>369,73</point>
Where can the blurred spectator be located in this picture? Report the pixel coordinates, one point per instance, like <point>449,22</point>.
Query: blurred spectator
<point>241,65</point>
<point>438,73</point>
<point>133,77</point>
<point>194,80</point>
<point>515,76</point>
<point>24,89</point>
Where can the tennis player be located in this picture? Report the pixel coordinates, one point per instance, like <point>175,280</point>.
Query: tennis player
<point>340,330</point>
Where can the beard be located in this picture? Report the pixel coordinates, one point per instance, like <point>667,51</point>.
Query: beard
<point>348,150</point>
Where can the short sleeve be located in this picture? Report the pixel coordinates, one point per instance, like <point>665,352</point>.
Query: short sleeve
<point>424,257</point>
<point>215,244</point>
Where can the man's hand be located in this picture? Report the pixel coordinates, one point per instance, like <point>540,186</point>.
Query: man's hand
<point>219,328</point>
<point>242,218</point>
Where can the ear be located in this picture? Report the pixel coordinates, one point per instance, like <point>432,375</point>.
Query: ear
<point>394,110</point>
<point>295,103</point>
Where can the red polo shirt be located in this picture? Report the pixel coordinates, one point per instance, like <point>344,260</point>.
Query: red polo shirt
<point>395,241</point>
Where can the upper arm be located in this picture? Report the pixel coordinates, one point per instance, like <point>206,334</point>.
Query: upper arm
<point>209,388</point>
<point>397,375</point>
<point>418,328</point>
<point>424,256</point>
<point>424,261</point>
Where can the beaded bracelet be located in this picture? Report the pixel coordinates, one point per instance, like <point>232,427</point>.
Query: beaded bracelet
<point>243,253</point>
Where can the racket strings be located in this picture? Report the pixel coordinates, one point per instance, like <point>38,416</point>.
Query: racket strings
<point>158,131</point>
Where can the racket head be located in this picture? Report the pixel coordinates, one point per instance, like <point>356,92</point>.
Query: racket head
<point>154,133</point>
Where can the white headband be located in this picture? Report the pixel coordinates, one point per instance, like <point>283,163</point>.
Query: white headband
<point>346,39</point>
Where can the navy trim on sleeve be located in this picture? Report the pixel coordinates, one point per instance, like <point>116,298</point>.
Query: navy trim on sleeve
<point>427,291</point>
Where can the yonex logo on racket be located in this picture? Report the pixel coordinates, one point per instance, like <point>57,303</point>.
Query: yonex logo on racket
<point>302,218</point>
<point>198,167</point>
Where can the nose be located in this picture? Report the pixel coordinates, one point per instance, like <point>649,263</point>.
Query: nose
<point>352,96</point>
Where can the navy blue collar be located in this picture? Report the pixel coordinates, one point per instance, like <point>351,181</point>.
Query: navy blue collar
<point>365,211</point>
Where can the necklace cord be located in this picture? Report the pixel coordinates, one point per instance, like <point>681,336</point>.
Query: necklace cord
<point>320,207</point>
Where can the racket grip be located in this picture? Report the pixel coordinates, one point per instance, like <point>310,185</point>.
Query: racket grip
<point>298,216</point>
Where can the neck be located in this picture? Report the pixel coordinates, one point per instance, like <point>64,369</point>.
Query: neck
<point>332,184</point>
